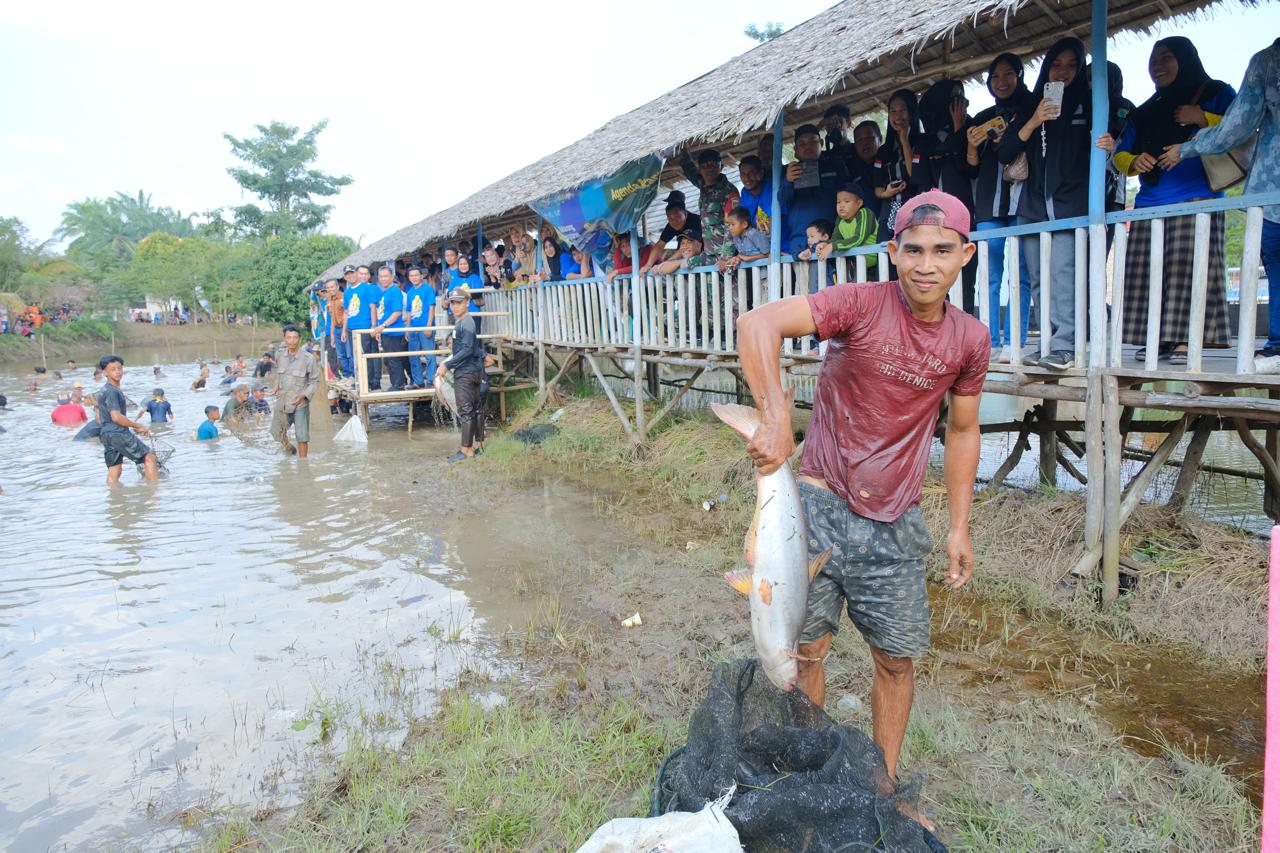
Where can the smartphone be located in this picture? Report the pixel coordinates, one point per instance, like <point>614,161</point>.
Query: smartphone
<point>810,175</point>
<point>1053,90</point>
<point>994,127</point>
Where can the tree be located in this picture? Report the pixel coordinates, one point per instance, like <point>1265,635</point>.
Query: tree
<point>104,234</point>
<point>770,30</point>
<point>17,253</point>
<point>285,268</point>
<point>279,175</point>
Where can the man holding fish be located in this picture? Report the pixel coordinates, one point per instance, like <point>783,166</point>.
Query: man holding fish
<point>895,350</point>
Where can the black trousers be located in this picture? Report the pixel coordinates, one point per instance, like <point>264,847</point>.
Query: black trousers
<point>466,388</point>
<point>397,368</point>
<point>370,344</point>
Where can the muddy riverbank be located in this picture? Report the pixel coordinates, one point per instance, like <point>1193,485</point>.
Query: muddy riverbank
<point>1036,726</point>
<point>87,343</point>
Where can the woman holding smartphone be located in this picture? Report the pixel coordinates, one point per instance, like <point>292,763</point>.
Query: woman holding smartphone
<point>1186,100</point>
<point>996,192</point>
<point>895,161</point>
<point>1055,139</point>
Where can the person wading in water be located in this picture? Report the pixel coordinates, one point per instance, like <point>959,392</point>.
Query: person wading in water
<point>895,350</point>
<point>117,441</point>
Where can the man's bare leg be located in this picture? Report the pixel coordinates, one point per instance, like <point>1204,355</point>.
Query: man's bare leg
<point>302,449</point>
<point>892,691</point>
<point>113,474</point>
<point>150,467</point>
<point>812,677</point>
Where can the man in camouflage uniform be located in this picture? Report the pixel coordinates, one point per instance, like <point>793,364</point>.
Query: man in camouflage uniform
<point>716,197</point>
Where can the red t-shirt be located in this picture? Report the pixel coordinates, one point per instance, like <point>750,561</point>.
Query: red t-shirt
<point>68,414</point>
<point>879,389</point>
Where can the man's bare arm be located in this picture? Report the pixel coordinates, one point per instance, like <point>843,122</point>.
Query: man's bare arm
<point>959,471</point>
<point>760,334</point>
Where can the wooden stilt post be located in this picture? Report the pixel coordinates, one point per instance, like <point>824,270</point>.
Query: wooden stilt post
<point>1048,439</point>
<point>1110,483</point>
<point>1270,497</point>
<point>1191,464</point>
<point>613,400</point>
<point>1095,462</point>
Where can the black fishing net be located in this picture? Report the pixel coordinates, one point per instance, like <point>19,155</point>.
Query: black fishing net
<point>804,783</point>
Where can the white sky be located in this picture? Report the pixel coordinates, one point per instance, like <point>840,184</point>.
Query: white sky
<point>426,102</point>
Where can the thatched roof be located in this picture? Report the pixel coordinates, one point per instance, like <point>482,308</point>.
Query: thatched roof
<point>855,53</point>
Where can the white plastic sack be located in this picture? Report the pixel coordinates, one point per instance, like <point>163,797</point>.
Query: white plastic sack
<point>707,831</point>
<point>353,432</point>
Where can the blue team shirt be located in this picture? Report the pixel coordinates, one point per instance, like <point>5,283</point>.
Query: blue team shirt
<point>391,301</point>
<point>759,206</point>
<point>359,302</point>
<point>207,430</point>
<point>159,411</point>
<point>418,302</point>
<point>1185,181</point>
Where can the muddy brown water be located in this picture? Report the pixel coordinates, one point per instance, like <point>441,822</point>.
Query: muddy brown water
<point>1148,697</point>
<point>173,650</point>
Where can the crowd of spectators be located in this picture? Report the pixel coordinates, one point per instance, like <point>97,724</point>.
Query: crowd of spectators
<point>1024,160</point>
<point>29,320</point>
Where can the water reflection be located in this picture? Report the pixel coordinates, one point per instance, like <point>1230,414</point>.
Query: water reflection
<point>164,645</point>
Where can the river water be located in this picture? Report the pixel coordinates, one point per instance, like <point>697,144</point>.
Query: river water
<point>172,649</point>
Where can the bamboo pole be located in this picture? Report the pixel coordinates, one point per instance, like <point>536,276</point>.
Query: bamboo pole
<point>675,399</point>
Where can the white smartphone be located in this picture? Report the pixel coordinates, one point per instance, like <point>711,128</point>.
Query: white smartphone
<point>1053,90</point>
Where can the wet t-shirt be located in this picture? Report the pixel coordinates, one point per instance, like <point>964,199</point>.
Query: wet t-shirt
<point>111,399</point>
<point>881,383</point>
<point>159,411</point>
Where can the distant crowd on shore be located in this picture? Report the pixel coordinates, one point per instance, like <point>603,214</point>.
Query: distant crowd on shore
<point>29,320</point>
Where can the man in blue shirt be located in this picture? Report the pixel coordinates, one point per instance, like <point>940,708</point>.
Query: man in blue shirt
<point>361,303</point>
<point>757,194</point>
<point>208,427</point>
<point>389,332</point>
<point>158,407</point>
<point>808,189</point>
<point>420,304</point>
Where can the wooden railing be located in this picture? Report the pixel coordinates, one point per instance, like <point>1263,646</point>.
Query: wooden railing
<point>694,311</point>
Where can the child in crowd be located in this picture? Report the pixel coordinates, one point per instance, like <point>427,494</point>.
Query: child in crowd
<point>855,224</point>
<point>208,429</point>
<point>158,407</point>
<point>749,242</point>
<point>818,236</point>
<point>688,254</point>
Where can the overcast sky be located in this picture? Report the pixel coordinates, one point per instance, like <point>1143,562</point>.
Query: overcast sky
<point>426,102</point>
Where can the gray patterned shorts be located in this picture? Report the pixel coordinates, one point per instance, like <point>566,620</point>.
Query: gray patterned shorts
<point>876,570</point>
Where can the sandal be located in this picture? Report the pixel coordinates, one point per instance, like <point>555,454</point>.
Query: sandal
<point>1176,356</point>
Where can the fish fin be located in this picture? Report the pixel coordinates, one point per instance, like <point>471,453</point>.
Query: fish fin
<point>741,419</point>
<point>749,541</point>
<point>816,564</point>
<point>766,591</point>
<point>739,579</point>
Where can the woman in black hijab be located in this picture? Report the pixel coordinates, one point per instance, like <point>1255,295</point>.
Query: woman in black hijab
<point>944,116</point>
<point>1186,100</point>
<point>894,166</point>
<point>996,193</point>
<point>1055,140</point>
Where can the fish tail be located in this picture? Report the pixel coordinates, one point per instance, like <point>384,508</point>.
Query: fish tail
<point>744,420</point>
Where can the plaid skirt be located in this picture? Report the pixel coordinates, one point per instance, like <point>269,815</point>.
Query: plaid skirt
<point>1175,308</point>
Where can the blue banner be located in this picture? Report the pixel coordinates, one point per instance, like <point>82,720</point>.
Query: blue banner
<point>588,215</point>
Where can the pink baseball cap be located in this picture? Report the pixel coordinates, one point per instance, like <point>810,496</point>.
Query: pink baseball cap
<point>934,208</point>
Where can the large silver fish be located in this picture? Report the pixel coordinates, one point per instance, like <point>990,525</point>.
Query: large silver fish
<point>444,393</point>
<point>778,571</point>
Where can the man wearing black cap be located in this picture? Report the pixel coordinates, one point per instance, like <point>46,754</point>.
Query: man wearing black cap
<point>808,189</point>
<point>467,364</point>
<point>678,220</point>
<point>716,197</point>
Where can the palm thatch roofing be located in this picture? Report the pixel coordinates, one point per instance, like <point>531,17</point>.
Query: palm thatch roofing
<point>855,53</point>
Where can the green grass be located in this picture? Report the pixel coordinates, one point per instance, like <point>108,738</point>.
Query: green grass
<point>84,330</point>
<point>519,776</point>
